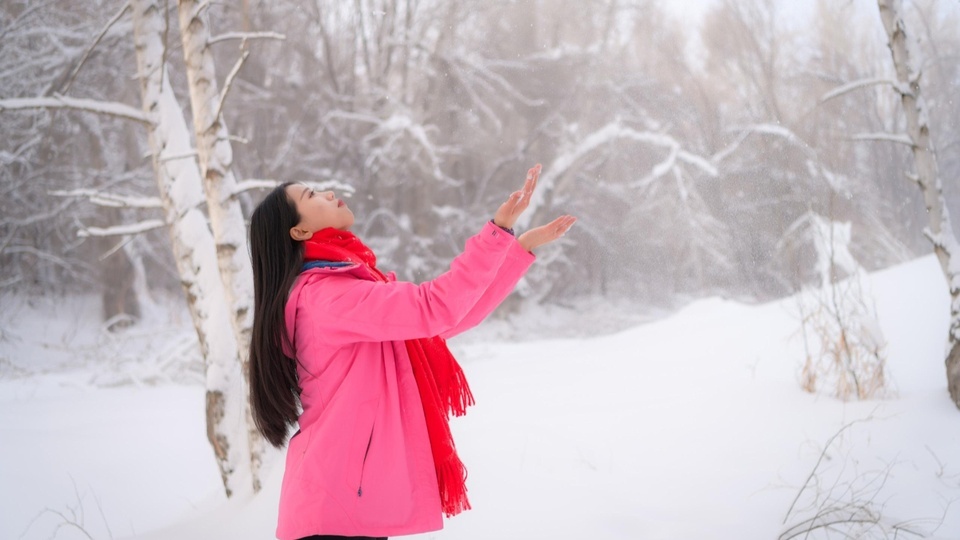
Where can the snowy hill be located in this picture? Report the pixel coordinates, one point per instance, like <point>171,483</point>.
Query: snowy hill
<point>693,426</point>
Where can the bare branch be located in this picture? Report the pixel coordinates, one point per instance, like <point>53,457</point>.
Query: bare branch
<point>899,138</point>
<point>111,108</point>
<point>228,83</point>
<point>816,466</point>
<point>71,266</point>
<point>39,217</point>
<point>86,54</point>
<point>245,36</point>
<point>34,7</point>
<point>119,245</point>
<point>826,525</point>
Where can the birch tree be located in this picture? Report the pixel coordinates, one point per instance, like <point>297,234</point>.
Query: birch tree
<point>215,157</point>
<point>907,63</point>
<point>195,250</point>
<point>179,184</point>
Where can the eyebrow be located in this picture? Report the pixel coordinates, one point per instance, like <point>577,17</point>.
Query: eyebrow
<point>304,192</point>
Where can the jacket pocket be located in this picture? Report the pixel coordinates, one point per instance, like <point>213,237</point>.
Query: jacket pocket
<point>302,441</point>
<point>363,463</point>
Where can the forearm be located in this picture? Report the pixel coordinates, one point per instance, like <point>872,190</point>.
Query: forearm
<point>514,266</point>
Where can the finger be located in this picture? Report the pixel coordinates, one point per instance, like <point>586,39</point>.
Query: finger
<point>534,173</point>
<point>532,176</point>
<point>559,222</point>
<point>563,224</point>
<point>528,183</point>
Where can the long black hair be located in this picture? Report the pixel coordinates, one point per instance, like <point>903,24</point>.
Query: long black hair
<point>277,259</point>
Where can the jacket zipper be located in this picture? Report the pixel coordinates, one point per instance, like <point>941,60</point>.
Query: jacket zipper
<point>364,463</point>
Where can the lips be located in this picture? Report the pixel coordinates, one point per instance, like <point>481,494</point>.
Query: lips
<point>340,203</point>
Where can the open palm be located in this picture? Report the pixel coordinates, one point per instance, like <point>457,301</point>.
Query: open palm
<point>518,201</point>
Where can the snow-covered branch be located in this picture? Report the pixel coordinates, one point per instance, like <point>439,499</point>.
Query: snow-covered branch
<point>252,184</point>
<point>899,138</point>
<point>245,36</point>
<point>110,199</point>
<point>850,87</point>
<point>63,102</point>
<point>122,230</point>
<point>614,131</point>
<point>182,155</point>
<point>729,149</point>
<point>609,133</point>
<point>368,118</point>
<point>767,129</point>
<point>770,129</point>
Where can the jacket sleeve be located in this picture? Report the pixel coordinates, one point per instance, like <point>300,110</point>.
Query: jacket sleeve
<point>345,309</point>
<point>515,265</point>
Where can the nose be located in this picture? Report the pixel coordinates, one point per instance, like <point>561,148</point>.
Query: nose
<point>329,195</point>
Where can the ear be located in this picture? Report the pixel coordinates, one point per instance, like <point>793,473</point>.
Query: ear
<point>299,234</point>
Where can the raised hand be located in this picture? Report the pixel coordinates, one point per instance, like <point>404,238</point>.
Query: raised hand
<point>518,201</point>
<point>545,234</point>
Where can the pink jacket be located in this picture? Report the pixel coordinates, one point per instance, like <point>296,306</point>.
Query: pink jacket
<point>361,463</point>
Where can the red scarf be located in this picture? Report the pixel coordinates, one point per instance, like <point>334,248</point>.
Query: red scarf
<point>440,379</point>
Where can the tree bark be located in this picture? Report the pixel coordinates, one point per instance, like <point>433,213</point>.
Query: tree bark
<point>907,61</point>
<point>178,181</point>
<point>215,156</point>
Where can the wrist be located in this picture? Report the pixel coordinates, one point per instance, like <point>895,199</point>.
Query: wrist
<point>506,229</point>
<point>525,243</point>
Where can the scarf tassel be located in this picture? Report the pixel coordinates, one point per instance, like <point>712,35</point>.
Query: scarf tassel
<point>460,396</point>
<point>452,477</point>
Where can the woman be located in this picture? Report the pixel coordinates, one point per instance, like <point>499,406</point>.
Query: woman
<point>364,356</point>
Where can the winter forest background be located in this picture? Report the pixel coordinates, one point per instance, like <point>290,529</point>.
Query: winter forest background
<point>744,149</point>
<point>691,152</point>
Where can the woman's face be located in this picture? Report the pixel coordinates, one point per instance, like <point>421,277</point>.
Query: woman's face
<point>318,210</point>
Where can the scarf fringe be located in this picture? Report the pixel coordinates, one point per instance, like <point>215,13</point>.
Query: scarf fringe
<point>461,396</point>
<point>452,478</point>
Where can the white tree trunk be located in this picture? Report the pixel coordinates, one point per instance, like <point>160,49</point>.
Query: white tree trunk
<point>226,217</point>
<point>906,60</point>
<point>179,184</point>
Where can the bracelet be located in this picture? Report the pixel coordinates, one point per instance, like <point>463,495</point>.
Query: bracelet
<point>504,228</point>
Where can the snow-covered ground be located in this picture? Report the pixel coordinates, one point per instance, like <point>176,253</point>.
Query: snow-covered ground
<point>688,427</point>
